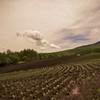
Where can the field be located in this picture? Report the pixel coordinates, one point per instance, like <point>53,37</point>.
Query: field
<point>62,81</point>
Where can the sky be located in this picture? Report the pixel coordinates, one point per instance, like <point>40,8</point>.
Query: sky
<point>48,25</point>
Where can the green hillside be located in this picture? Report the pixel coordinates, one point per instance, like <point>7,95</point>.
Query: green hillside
<point>30,55</point>
<point>86,49</point>
<point>92,48</point>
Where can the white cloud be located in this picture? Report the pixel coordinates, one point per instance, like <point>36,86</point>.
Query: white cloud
<point>54,46</point>
<point>35,35</point>
<point>38,38</point>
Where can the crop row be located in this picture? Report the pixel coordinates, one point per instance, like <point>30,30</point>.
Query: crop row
<point>49,83</point>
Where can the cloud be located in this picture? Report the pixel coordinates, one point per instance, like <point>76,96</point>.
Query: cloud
<point>77,38</point>
<point>18,34</point>
<point>35,35</point>
<point>38,38</point>
<point>43,48</point>
<point>42,42</point>
<point>54,46</point>
<point>84,30</point>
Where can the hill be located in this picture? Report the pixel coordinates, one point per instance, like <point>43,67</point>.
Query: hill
<point>27,55</point>
<point>85,49</point>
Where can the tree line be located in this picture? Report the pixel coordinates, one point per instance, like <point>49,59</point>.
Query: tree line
<point>9,57</point>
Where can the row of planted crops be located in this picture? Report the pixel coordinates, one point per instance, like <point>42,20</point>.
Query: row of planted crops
<point>58,82</point>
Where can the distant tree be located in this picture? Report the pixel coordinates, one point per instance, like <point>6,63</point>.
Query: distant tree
<point>8,51</point>
<point>14,58</point>
<point>6,61</point>
<point>28,54</point>
<point>25,58</point>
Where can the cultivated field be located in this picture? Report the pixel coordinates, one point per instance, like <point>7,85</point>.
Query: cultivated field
<point>65,81</point>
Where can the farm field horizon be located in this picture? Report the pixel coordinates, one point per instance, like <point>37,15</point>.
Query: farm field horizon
<point>76,79</point>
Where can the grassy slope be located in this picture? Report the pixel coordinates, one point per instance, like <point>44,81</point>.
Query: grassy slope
<point>86,49</point>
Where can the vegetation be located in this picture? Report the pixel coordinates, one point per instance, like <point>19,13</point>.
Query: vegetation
<point>27,54</point>
<point>14,57</point>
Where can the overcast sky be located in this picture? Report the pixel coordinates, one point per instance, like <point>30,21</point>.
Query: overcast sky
<point>60,24</point>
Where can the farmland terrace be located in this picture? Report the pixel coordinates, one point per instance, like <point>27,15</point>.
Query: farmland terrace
<point>74,78</point>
